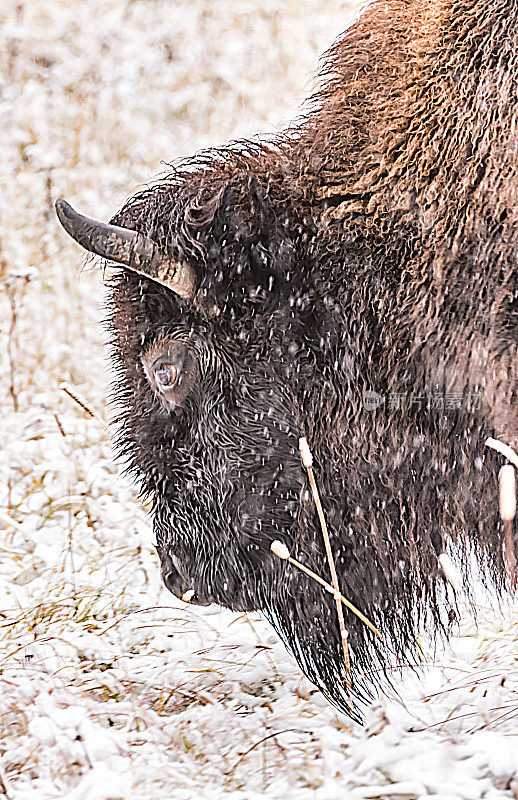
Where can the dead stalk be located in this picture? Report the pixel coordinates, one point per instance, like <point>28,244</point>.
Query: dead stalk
<point>11,348</point>
<point>307,460</point>
<point>4,786</point>
<point>504,450</point>
<point>280,550</point>
<point>76,468</point>
<point>73,396</point>
<point>507,486</point>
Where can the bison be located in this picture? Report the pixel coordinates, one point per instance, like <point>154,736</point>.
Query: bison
<point>352,280</point>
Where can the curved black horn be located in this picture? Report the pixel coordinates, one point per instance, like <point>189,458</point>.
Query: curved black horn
<point>135,251</point>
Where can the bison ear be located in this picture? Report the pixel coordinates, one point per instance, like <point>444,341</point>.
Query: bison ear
<point>251,247</point>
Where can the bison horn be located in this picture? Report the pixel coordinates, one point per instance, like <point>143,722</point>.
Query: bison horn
<point>137,252</point>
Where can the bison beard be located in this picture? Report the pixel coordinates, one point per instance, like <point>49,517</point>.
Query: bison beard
<point>372,246</point>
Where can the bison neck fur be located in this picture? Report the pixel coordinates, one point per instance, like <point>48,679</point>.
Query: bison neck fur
<point>372,246</point>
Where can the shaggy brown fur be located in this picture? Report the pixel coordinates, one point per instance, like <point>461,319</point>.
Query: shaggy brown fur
<point>372,246</point>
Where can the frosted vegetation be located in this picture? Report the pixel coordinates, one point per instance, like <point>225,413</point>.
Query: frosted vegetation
<point>109,687</point>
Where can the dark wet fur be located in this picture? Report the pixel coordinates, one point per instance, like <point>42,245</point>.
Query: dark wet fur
<point>373,245</point>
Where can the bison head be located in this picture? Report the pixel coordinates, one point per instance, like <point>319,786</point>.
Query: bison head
<point>265,290</point>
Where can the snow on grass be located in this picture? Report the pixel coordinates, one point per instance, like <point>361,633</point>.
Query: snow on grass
<point>110,687</point>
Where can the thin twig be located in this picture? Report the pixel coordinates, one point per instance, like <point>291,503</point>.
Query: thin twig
<point>73,396</point>
<point>10,522</point>
<point>4,786</point>
<point>509,554</point>
<point>75,464</point>
<point>307,460</point>
<point>64,388</point>
<point>507,483</point>
<point>327,586</point>
<point>264,739</point>
<point>10,349</point>
<point>503,449</point>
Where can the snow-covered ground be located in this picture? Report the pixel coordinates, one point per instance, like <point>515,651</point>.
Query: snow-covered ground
<point>109,687</point>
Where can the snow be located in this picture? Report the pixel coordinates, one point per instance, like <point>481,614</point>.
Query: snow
<point>109,687</point>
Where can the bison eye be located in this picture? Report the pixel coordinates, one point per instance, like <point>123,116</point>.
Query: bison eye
<point>169,366</point>
<point>166,375</point>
